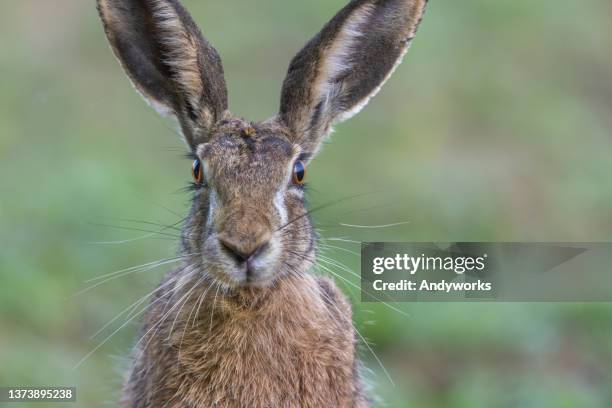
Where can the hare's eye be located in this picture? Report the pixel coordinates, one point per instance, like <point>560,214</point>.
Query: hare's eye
<point>196,171</point>
<point>299,172</point>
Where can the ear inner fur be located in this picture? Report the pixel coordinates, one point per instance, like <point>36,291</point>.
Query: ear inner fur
<point>168,60</point>
<point>334,76</point>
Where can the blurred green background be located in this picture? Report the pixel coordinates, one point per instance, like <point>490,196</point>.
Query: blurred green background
<point>497,127</point>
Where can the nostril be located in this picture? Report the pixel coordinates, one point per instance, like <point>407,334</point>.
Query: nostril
<point>258,250</point>
<point>241,255</point>
<point>234,253</point>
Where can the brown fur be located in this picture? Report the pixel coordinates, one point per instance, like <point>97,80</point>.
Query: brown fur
<point>285,339</point>
<point>242,322</point>
<point>287,347</point>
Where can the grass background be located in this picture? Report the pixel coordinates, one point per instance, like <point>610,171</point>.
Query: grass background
<point>497,127</point>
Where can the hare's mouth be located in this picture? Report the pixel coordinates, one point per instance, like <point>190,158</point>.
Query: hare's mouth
<point>236,268</point>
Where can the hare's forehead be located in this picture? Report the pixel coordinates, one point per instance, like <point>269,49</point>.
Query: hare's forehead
<point>242,154</point>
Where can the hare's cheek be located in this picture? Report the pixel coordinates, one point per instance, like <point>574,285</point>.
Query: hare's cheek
<point>281,207</point>
<point>294,200</point>
<point>212,209</point>
<point>212,255</point>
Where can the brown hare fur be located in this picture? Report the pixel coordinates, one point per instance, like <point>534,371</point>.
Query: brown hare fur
<point>242,322</point>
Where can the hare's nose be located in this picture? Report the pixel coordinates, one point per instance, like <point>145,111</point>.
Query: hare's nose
<point>242,253</point>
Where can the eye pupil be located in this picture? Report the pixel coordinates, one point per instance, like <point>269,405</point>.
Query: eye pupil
<point>196,171</point>
<point>299,172</point>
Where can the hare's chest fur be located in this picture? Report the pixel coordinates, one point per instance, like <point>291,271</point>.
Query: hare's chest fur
<point>279,364</point>
<point>302,356</point>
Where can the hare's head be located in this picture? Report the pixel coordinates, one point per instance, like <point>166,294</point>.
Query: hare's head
<point>249,223</point>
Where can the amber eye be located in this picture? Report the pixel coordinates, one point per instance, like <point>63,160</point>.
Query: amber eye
<point>196,171</point>
<point>299,172</point>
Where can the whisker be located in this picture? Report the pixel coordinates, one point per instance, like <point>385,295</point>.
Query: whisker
<point>397,224</point>
<point>366,291</point>
<point>130,308</point>
<point>324,206</point>
<point>202,297</point>
<point>326,246</point>
<point>110,336</point>
<point>138,267</point>
<point>161,233</point>
<point>120,275</point>
<point>342,240</point>
<point>180,216</point>
<point>212,310</point>
<point>294,272</point>
<point>197,303</point>
<point>124,241</point>
<point>378,360</point>
<point>129,271</point>
<point>135,305</point>
<point>338,264</point>
<point>374,207</point>
<point>178,313</point>
<point>157,325</point>
<point>163,227</point>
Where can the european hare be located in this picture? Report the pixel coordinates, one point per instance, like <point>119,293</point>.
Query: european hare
<point>242,322</point>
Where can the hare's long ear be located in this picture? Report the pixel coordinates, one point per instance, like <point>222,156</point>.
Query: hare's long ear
<point>168,60</point>
<point>345,65</point>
